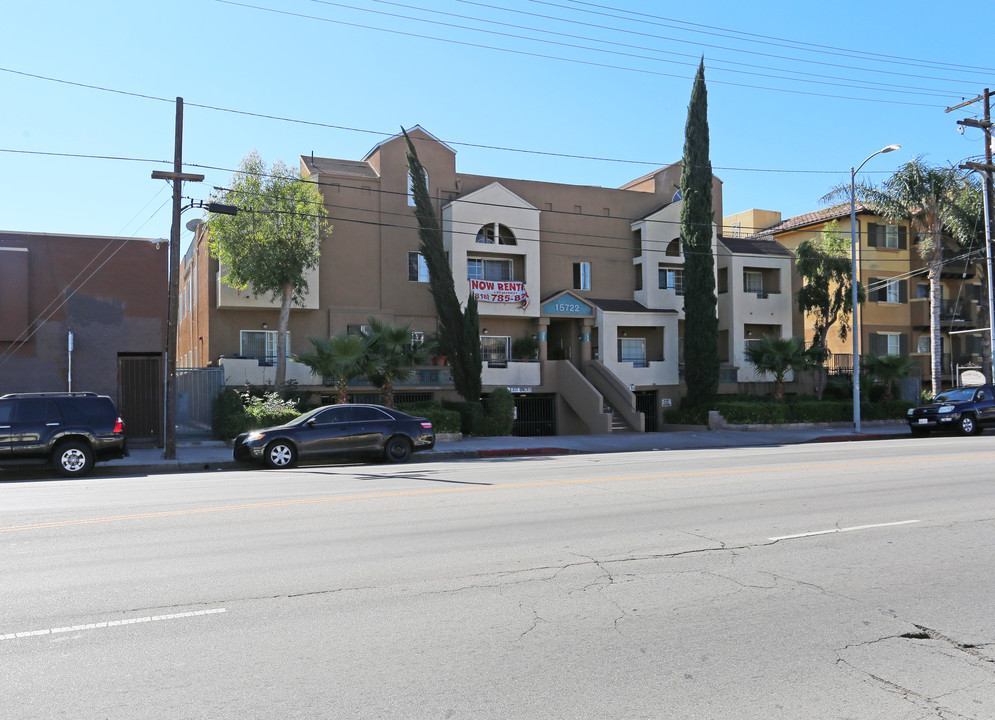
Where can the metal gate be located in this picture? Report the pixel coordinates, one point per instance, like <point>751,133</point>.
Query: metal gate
<point>646,404</point>
<point>535,415</point>
<point>140,389</point>
<point>196,390</point>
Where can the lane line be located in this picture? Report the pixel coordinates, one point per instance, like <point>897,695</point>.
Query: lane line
<point>846,529</point>
<point>111,623</point>
<point>484,488</point>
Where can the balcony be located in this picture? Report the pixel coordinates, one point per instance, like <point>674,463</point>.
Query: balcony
<point>511,373</point>
<point>962,313</point>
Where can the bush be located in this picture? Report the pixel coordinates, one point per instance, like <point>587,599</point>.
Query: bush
<point>471,414</point>
<point>686,415</point>
<point>500,418</point>
<point>270,410</point>
<point>443,421</point>
<point>765,412</point>
<point>229,415</point>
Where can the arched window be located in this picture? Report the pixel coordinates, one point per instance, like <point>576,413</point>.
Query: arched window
<point>492,233</point>
<point>674,248</point>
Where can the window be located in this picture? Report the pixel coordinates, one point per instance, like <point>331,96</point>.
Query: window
<point>487,269</point>
<point>923,346</point>
<point>260,344</point>
<point>417,267</point>
<point>887,290</point>
<point>363,330</point>
<point>411,187</point>
<point>753,282</point>
<point>582,275</point>
<point>494,350</point>
<point>492,233</point>
<point>632,350</point>
<point>723,283</point>
<point>892,237</point>
<point>417,339</point>
<point>672,279</point>
<point>890,344</point>
<point>891,293</point>
<point>922,290</point>
<point>894,346</point>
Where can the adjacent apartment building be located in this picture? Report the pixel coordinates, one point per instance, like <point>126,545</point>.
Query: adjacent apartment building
<point>894,320</point>
<point>593,274</point>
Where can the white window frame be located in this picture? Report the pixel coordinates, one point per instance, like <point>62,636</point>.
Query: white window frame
<point>753,282</point>
<point>495,348</point>
<point>892,293</point>
<point>423,276</point>
<point>417,338</point>
<point>269,341</point>
<point>894,343</point>
<point>923,347</point>
<point>673,279</point>
<point>483,264</point>
<point>584,275</point>
<point>891,237</point>
<point>632,350</point>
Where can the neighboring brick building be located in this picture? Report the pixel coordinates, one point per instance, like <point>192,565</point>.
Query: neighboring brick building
<point>110,293</point>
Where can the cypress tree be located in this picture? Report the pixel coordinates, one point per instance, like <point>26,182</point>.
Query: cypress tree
<point>459,333</point>
<point>701,325</point>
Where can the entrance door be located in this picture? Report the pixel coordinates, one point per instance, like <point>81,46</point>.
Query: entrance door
<point>563,342</point>
<point>140,382</point>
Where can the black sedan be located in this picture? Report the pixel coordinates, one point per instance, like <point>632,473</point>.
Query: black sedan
<point>338,430</point>
<point>966,410</point>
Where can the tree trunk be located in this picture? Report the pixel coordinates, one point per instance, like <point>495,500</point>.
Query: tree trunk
<point>935,306</point>
<point>281,337</point>
<point>341,391</point>
<point>387,394</point>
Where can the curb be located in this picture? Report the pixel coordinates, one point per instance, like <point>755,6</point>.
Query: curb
<point>850,438</point>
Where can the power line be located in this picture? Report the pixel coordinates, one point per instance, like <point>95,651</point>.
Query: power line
<point>588,63</point>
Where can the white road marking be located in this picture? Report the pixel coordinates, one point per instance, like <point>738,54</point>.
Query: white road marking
<point>839,530</point>
<point>110,623</point>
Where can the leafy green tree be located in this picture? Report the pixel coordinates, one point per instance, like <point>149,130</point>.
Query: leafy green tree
<point>273,241</point>
<point>459,329</point>
<point>932,199</point>
<point>391,357</point>
<point>701,325</point>
<point>826,293</point>
<point>778,356</point>
<point>888,370</point>
<point>339,358</point>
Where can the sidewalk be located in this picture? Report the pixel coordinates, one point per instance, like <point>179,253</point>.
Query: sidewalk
<point>194,456</point>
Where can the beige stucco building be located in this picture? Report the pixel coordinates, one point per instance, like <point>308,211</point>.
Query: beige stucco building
<point>594,274</point>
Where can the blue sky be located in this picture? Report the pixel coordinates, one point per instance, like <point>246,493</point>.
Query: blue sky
<point>607,79</point>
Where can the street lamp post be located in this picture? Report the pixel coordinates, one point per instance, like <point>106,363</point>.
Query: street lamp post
<point>854,329</point>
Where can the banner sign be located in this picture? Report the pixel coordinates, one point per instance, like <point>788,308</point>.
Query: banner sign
<point>500,292</point>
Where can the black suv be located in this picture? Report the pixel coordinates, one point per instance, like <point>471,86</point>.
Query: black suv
<point>69,430</point>
<point>966,410</point>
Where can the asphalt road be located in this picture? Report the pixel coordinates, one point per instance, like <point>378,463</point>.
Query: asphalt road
<point>846,580</point>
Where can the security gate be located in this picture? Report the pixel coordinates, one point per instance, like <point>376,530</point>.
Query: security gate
<point>535,415</point>
<point>196,390</point>
<point>140,391</point>
<point>646,404</point>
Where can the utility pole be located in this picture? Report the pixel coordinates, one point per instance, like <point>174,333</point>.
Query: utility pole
<point>177,177</point>
<point>986,169</point>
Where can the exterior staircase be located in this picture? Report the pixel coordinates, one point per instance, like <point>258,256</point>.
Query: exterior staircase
<point>618,424</point>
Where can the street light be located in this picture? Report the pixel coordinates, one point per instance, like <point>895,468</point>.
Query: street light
<point>854,329</point>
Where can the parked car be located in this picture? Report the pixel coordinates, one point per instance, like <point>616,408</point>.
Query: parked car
<point>338,430</point>
<point>70,431</point>
<point>966,410</point>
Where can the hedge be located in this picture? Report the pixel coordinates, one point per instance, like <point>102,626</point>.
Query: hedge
<point>443,421</point>
<point>799,411</point>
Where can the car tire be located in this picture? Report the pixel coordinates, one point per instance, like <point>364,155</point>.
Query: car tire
<point>397,450</point>
<point>968,425</point>
<point>73,458</point>
<point>280,454</point>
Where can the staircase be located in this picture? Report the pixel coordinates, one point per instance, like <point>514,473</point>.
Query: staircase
<point>618,424</point>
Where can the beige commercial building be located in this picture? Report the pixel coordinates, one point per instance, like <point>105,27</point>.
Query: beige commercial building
<point>594,274</point>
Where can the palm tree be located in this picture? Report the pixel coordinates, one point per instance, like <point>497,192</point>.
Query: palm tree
<point>339,358</point>
<point>931,199</point>
<point>391,357</point>
<point>777,356</point>
<point>888,369</point>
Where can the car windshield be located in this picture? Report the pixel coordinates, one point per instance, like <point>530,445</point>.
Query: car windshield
<point>955,396</point>
<point>307,416</point>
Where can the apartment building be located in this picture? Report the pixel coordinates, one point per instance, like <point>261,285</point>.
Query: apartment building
<point>894,320</point>
<point>593,274</point>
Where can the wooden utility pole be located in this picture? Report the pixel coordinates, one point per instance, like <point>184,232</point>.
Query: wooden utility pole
<point>177,177</point>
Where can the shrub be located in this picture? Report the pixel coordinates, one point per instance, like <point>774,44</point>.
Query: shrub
<point>471,415</point>
<point>229,418</point>
<point>500,414</point>
<point>269,410</point>
<point>687,415</point>
<point>443,421</point>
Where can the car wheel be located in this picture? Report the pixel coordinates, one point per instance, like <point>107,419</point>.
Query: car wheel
<point>968,425</point>
<point>280,454</point>
<point>73,459</point>
<point>397,450</point>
